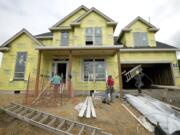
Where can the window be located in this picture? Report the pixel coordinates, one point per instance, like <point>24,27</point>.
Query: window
<point>93,36</point>
<point>140,39</point>
<point>20,65</point>
<point>98,36</point>
<point>64,38</point>
<point>94,70</point>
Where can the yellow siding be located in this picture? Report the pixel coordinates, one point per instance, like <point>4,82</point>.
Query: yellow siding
<point>77,73</point>
<point>77,36</point>
<point>57,38</point>
<point>22,43</point>
<point>138,27</point>
<point>47,41</point>
<point>93,20</point>
<point>72,18</point>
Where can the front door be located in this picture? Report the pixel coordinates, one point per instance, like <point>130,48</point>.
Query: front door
<point>61,70</point>
<point>60,67</point>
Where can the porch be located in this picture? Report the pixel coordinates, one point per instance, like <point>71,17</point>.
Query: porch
<point>71,62</point>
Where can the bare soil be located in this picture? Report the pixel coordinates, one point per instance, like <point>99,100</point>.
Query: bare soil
<point>111,118</point>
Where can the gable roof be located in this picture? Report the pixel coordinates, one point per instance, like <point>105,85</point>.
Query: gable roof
<point>138,18</point>
<point>5,44</point>
<point>77,21</point>
<point>69,15</point>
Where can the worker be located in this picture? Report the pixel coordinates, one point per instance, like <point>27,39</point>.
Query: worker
<point>110,87</point>
<point>139,84</point>
<point>56,81</point>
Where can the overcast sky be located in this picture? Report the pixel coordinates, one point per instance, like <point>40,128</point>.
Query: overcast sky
<point>38,15</point>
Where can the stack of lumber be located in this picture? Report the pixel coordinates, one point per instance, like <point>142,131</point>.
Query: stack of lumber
<point>86,109</point>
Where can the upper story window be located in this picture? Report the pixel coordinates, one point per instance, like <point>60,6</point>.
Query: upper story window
<point>94,36</point>
<point>140,39</point>
<point>64,38</point>
<point>20,65</point>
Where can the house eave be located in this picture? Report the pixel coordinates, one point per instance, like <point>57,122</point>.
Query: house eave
<point>4,49</point>
<point>117,47</point>
<point>43,37</point>
<point>148,50</point>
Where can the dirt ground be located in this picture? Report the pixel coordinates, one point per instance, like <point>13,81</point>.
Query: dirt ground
<point>111,118</point>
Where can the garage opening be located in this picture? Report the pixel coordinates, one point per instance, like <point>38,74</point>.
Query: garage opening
<point>158,73</point>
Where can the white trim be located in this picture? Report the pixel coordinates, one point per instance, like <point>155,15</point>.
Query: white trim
<point>148,49</point>
<point>78,47</point>
<point>43,37</point>
<point>20,33</point>
<point>146,62</point>
<point>4,49</point>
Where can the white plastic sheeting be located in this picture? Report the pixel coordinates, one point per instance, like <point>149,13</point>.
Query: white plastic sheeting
<point>156,111</point>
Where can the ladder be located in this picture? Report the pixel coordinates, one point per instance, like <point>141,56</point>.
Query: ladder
<point>52,123</point>
<point>132,73</point>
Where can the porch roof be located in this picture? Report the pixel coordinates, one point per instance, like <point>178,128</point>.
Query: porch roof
<point>80,50</point>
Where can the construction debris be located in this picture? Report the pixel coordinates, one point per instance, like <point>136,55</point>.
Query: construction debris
<point>86,108</point>
<point>49,122</point>
<point>156,112</point>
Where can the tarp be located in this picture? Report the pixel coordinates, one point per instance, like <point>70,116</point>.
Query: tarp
<point>156,111</point>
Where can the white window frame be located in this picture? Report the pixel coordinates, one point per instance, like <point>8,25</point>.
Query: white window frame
<point>24,73</point>
<point>62,32</point>
<point>94,36</point>
<point>94,71</point>
<point>142,43</point>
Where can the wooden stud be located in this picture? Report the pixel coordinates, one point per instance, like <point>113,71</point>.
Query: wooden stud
<point>38,74</point>
<point>70,75</point>
<point>120,76</point>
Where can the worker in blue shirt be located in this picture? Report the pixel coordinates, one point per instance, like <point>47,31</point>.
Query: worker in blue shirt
<point>56,81</point>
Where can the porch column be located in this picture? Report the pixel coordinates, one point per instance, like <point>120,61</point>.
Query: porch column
<point>120,74</point>
<point>38,74</point>
<point>70,75</point>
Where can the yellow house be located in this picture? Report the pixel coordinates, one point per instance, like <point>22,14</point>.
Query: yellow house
<point>81,47</point>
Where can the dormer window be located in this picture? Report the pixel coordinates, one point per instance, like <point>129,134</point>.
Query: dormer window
<point>140,39</point>
<point>93,36</point>
<point>64,38</point>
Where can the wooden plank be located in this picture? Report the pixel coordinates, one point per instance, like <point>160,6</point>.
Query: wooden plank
<point>70,75</point>
<point>92,108</point>
<point>120,76</point>
<point>83,109</point>
<point>88,112</point>
<point>38,74</point>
